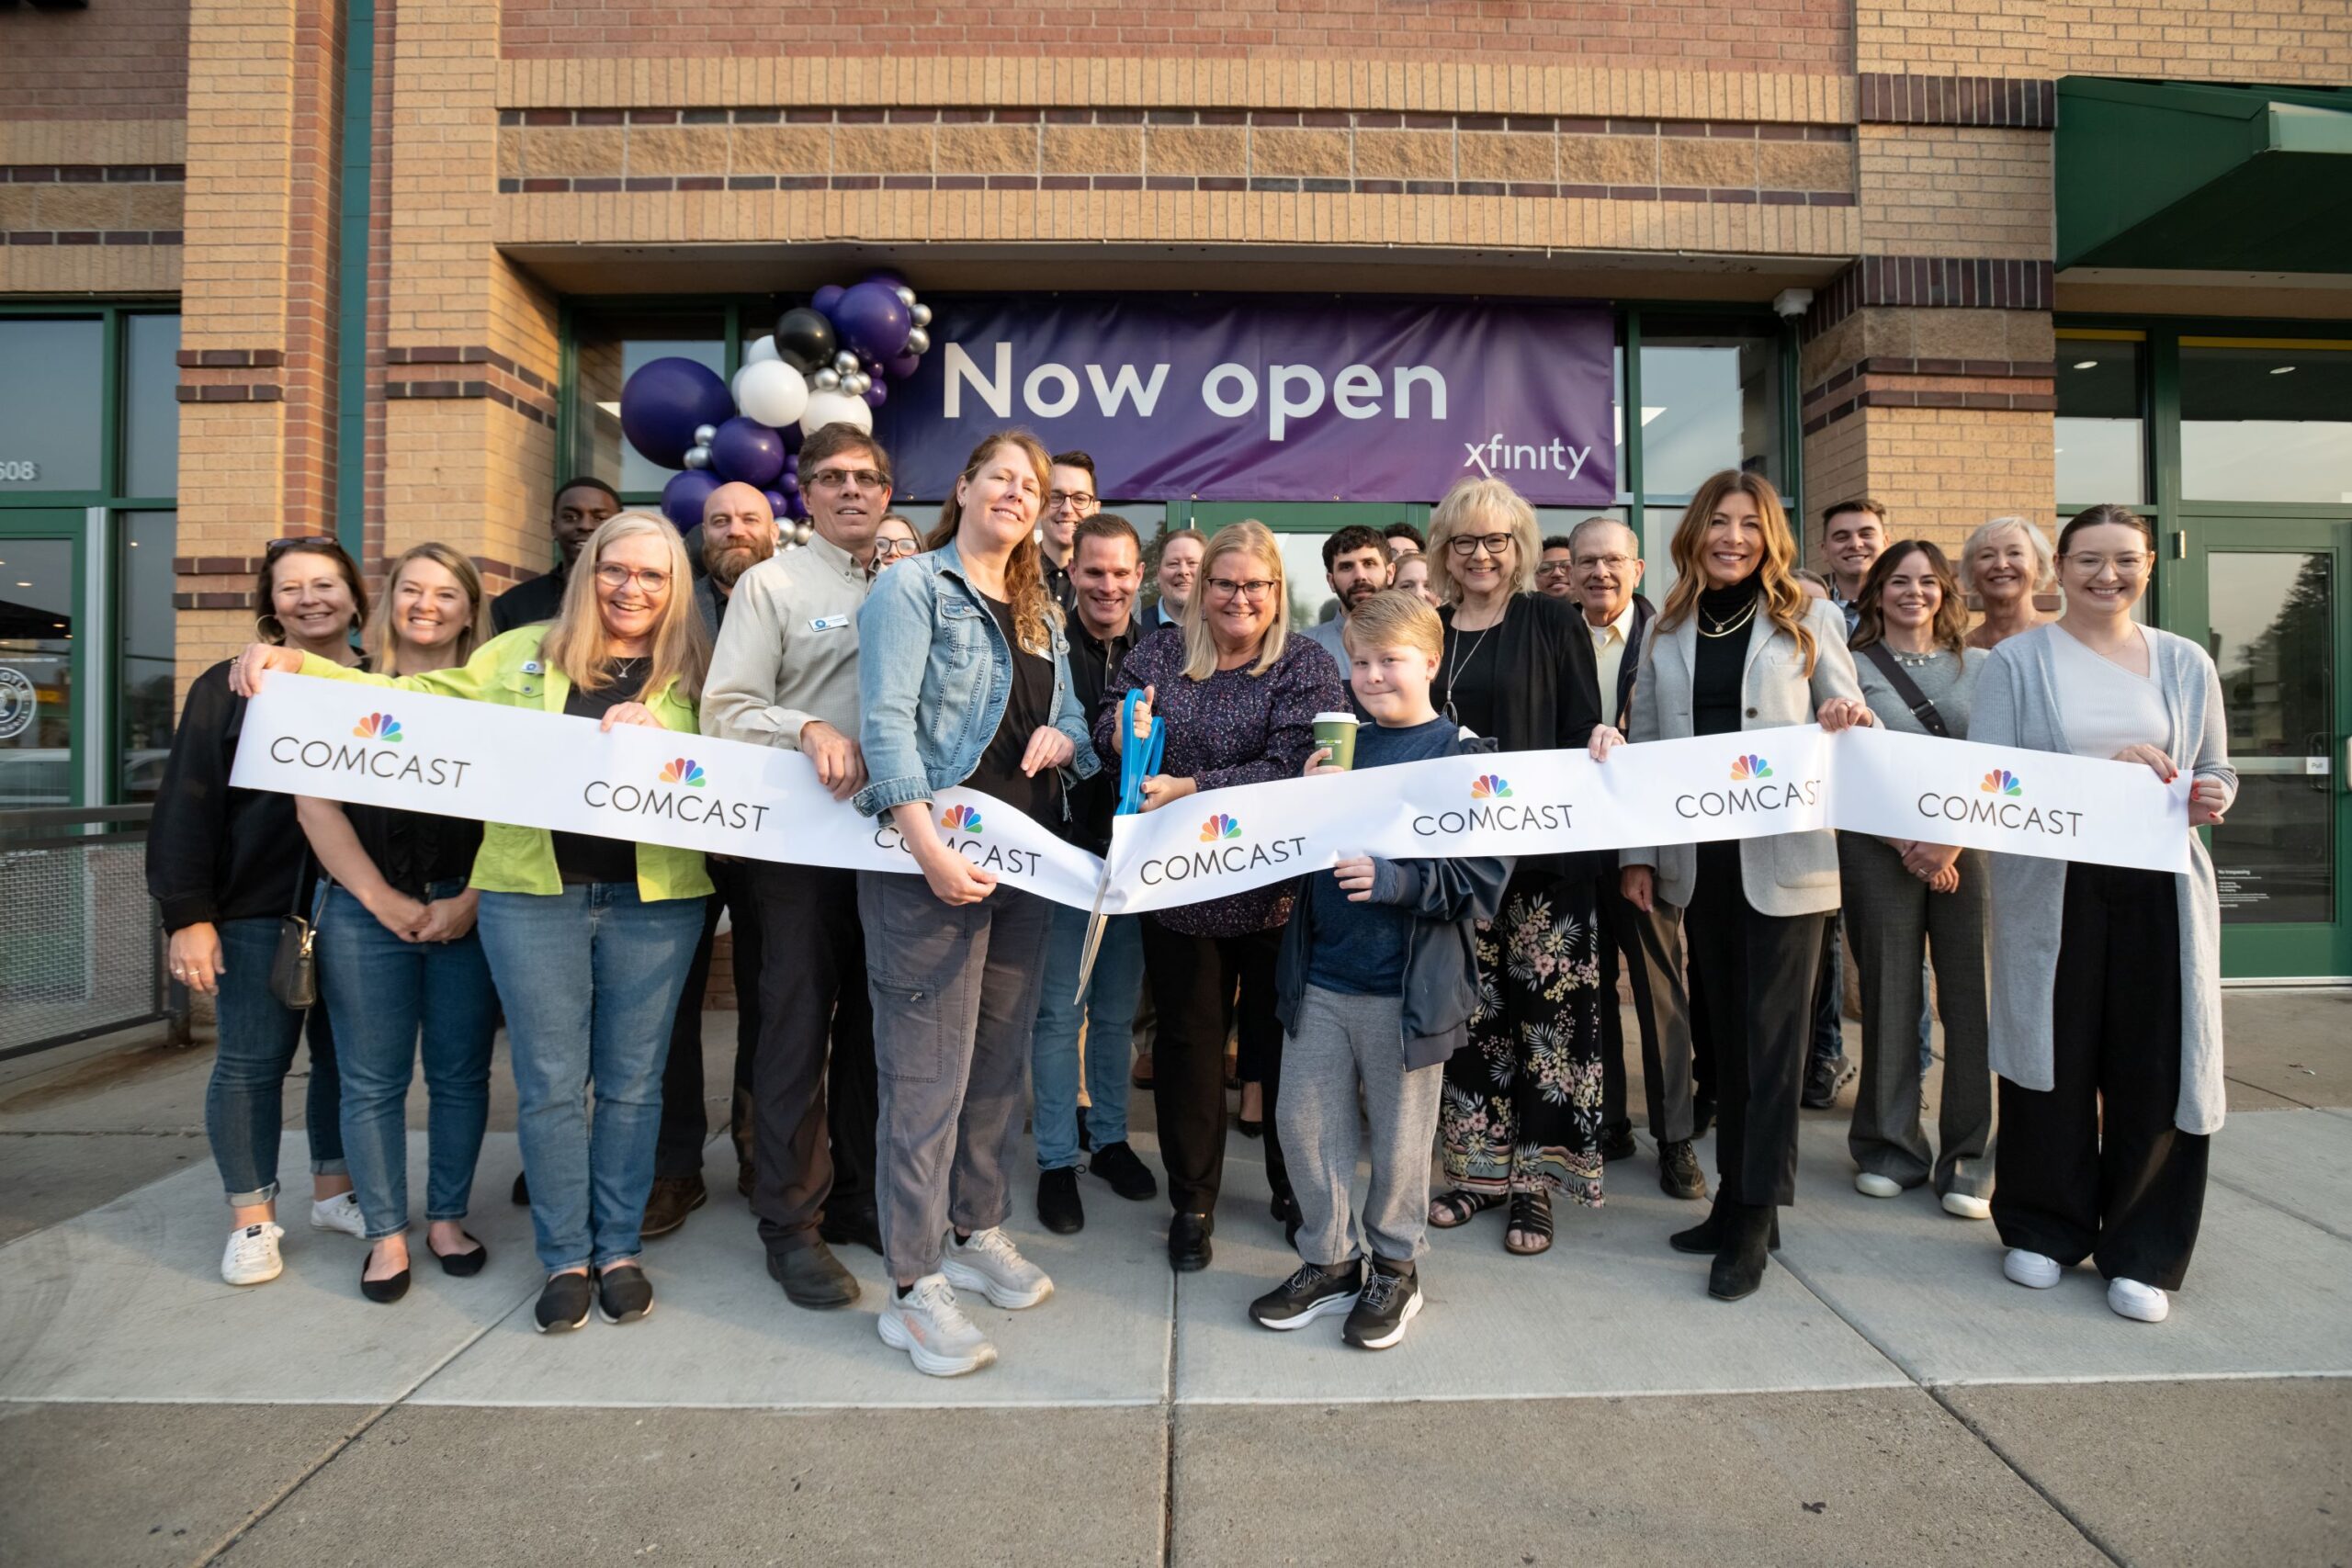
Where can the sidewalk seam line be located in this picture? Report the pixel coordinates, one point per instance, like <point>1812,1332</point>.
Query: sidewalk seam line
<point>1167,1428</point>
<point>2276,1208</point>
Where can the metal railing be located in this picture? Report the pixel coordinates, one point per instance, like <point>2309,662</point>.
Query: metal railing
<point>82,949</point>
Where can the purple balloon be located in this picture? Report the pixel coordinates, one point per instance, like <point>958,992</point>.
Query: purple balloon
<point>871,320</point>
<point>683,497</point>
<point>901,365</point>
<point>792,464</point>
<point>875,395</point>
<point>793,436</point>
<point>777,501</point>
<point>662,403</point>
<point>789,484</point>
<point>825,298</point>
<point>747,450</point>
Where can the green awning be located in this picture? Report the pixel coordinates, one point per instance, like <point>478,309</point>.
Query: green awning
<point>2173,176</point>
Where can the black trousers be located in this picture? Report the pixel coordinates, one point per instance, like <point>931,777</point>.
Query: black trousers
<point>677,1150</point>
<point>2093,1167</point>
<point>1757,973</point>
<point>814,1098</point>
<point>1195,981</point>
<point>1650,949</point>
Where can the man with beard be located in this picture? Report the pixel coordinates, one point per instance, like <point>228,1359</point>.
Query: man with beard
<point>1357,565</point>
<point>785,674</point>
<point>737,532</point>
<point>580,507</point>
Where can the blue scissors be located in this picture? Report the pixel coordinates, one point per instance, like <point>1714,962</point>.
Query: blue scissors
<point>1138,759</point>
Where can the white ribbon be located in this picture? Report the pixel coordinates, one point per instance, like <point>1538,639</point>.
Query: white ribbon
<point>378,747</point>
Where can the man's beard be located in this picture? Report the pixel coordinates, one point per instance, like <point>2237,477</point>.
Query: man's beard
<point>730,565</point>
<point>1358,593</point>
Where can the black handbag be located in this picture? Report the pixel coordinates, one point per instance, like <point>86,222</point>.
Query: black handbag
<point>294,967</point>
<point>1899,678</point>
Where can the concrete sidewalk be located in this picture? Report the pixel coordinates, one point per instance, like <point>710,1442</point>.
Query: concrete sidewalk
<point>1887,1396</point>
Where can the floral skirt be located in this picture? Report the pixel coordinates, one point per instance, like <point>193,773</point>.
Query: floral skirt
<point>1522,1098</point>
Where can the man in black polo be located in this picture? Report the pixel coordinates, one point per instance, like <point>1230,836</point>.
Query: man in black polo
<point>580,507</point>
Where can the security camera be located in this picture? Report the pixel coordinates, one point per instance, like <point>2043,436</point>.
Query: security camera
<point>1791,302</point>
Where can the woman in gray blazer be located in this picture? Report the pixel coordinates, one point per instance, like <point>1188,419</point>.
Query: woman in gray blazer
<point>2107,1000</point>
<point>1740,646</point>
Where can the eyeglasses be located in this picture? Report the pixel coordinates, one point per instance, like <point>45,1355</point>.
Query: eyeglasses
<point>2125,566</point>
<point>1553,569</point>
<point>841,478</point>
<point>1075,500</point>
<point>652,582</point>
<point>1470,544</point>
<point>1609,563</point>
<point>891,550</point>
<point>1255,590</point>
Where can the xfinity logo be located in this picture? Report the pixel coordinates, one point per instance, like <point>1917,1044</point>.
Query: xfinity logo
<point>1500,452</point>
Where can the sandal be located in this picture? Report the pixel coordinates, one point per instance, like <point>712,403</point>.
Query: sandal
<point>1530,1214</point>
<point>1459,1207</point>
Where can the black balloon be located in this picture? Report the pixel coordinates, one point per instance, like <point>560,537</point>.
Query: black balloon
<point>803,339</point>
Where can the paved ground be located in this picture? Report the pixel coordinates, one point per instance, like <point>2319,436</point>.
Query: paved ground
<point>1886,1398</point>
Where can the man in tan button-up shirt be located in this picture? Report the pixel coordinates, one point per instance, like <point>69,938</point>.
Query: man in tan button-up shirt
<point>785,673</point>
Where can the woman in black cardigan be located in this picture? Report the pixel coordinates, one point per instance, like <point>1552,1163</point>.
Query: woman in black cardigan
<point>1521,1114</point>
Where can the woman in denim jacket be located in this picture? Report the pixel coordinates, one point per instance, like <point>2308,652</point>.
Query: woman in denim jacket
<point>963,679</point>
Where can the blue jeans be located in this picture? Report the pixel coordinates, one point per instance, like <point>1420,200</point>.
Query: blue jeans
<point>380,990</point>
<point>589,976</point>
<point>1113,992</point>
<point>244,1103</point>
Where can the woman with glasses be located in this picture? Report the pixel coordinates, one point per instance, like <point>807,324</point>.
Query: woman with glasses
<point>894,541</point>
<point>226,866</point>
<point>1739,646</point>
<point>1236,694</point>
<point>588,938</point>
<point>2107,999</point>
<point>1520,1120</point>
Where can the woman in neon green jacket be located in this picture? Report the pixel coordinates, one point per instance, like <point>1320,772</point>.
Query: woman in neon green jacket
<point>588,938</point>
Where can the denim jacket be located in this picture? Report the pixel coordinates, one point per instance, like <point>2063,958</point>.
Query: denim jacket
<point>934,676</point>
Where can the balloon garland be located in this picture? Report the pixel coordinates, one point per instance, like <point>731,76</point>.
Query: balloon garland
<point>829,361</point>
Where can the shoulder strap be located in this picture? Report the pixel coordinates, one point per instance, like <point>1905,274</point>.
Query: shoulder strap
<point>1899,678</point>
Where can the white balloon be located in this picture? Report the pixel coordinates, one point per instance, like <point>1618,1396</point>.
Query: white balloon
<point>922,313</point>
<point>834,407</point>
<point>759,350</point>
<point>771,392</point>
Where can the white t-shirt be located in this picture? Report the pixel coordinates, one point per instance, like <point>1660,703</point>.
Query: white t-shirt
<point>2107,707</point>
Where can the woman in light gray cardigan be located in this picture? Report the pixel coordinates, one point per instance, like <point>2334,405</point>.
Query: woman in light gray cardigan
<point>2107,1007</point>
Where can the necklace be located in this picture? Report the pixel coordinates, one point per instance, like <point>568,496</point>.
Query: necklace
<point>1725,629</point>
<point>1455,674</point>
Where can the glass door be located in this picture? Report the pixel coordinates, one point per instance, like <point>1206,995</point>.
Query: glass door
<point>40,675</point>
<point>2267,596</point>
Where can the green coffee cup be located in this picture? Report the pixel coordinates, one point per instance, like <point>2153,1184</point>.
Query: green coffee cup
<point>1337,731</point>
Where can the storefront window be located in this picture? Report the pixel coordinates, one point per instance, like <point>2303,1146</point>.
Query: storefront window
<point>609,346</point>
<point>1710,401</point>
<point>2265,420</point>
<point>2101,438</point>
<point>53,425</point>
<point>36,673</point>
<point>151,408</point>
<point>144,649</point>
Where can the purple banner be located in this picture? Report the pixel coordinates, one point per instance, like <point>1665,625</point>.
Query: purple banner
<point>1233,398</point>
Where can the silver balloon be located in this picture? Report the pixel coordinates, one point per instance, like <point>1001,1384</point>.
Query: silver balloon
<point>922,313</point>
<point>918,342</point>
<point>826,380</point>
<point>698,458</point>
<point>905,296</point>
<point>705,435</point>
<point>802,532</point>
<point>855,385</point>
<point>846,362</point>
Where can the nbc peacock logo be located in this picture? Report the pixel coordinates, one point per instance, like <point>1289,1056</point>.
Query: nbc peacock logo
<point>960,820</point>
<point>379,727</point>
<point>1749,767</point>
<point>1220,825</point>
<point>2000,780</point>
<point>684,771</point>
<point>1490,786</point>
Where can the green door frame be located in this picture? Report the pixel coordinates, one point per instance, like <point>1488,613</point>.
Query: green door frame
<point>86,664</point>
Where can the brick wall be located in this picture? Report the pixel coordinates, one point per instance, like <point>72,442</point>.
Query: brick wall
<point>2303,42</point>
<point>119,60</point>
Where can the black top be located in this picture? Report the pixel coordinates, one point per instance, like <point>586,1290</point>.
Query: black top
<point>528,603</point>
<point>1720,670</point>
<point>585,857</point>
<point>216,853</point>
<point>414,849</point>
<point>1028,707</point>
<point>1093,662</point>
<point>1528,684</point>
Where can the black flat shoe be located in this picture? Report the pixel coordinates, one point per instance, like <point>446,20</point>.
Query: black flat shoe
<point>1707,1236</point>
<point>1250,1128</point>
<point>564,1304</point>
<point>1738,1270</point>
<point>1059,1209</point>
<point>1187,1242</point>
<point>623,1294</point>
<point>383,1291</point>
<point>1121,1167</point>
<point>463,1265</point>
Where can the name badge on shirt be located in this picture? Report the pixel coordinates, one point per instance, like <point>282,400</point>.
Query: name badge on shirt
<point>826,622</point>
<point>533,667</point>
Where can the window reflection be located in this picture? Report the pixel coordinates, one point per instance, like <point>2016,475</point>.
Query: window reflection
<point>146,647</point>
<point>150,407</point>
<point>608,348</point>
<point>1710,401</point>
<point>36,673</point>
<point>2101,439</point>
<point>2270,626</point>
<point>52,423</point>
<point>2264,423</point>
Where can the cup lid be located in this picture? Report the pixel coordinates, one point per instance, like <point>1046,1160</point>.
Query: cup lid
<point>1335,718</point>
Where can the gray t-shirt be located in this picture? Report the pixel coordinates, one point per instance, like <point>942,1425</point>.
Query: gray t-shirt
<point>1947,680</point>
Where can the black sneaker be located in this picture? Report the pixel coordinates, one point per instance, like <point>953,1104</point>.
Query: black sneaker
<point>1617,1143</point>
<point>1058,1208</point>
<point>623,1294</point>
<point>1121,1167</point>
<point>563,1303</point>
<point>1380,1313</point>
<point>1824,1077</point>
<point>1311,1291</point>
<point>1678,1175</point>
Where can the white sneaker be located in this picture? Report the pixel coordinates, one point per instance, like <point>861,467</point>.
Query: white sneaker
<point>2031,1269</point>
<point>340,1213</point>
<point>2142,1303</point>
<point>989,1264</point>
<point>931,1327</point>
<point>252,1258</point>
<point>1962,1206</point>
<point>1870,1184</point>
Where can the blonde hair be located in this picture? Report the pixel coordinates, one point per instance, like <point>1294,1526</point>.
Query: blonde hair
<point>1784,601</point>
<point>576,642</point>
<point>1035,614</point>
<point>1252,539</point>
<point>2046,560</point>
<point>1491,501</point>
<point>383,641</point>
<point>1394,618</point>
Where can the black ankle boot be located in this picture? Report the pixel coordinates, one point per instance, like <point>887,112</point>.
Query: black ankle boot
<point>1707,1236</point>
<point>1739,1266</point>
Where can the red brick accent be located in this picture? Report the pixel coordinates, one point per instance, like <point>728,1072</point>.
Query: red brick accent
<point>1960,282</point>
<point>2007,101</point>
